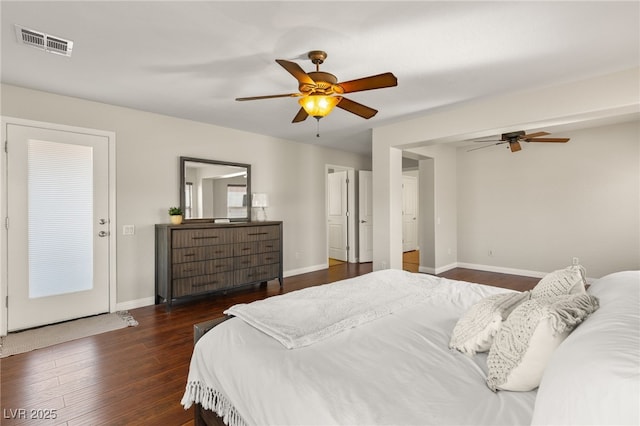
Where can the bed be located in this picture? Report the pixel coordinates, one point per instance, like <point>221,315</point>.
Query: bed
<point>379,349</point>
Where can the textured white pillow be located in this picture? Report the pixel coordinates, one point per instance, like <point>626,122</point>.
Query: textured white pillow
<point>475,330</point>
<point>570,280</point>
<point>527,339</point>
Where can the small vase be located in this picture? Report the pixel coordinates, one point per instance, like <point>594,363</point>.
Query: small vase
<point>176,219</point>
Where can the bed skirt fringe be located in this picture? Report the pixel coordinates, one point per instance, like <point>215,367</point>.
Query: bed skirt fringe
<point>211,399</point>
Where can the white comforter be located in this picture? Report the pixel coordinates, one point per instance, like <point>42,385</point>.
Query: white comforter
<point>396,369</point>
<point>323,311</point>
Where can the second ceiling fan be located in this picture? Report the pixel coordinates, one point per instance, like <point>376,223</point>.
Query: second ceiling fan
<point>320,91</point>
<point>514,139</point>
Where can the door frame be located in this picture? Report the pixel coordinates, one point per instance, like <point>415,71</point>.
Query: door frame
<point>111,137</point>
<point>363,256</point>
<point>352,255</point>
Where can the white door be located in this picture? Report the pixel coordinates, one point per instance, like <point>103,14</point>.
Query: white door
<point>365,215</point>
<point>58,225</point>
<point>409,213</point>
<point>337,211</point>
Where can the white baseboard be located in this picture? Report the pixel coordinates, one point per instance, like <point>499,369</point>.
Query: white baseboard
<point>133,304</point>
<point>502,270</point>
<point>436,271</point>
<point>427,270</point>
<point>512,271</point>
<point>446,268</point>
<point>488,268</point>
<point>305,270</point>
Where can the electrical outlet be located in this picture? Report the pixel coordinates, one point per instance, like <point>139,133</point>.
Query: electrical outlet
<point>575,261</point>
<point>128,229</point>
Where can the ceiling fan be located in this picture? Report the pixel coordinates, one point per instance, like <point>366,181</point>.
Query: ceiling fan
<point>320,91</point>
<point>514,139</point>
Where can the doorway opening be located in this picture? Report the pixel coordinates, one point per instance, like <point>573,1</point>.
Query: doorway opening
<point>340,214</point>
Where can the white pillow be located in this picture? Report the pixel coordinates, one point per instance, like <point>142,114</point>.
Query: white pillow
<point>527,339</point>
<point>594,376</point>
<point>475,330</point>
<point>570,280</point>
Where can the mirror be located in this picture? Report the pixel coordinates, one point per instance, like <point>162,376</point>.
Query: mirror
<point>212,189</point>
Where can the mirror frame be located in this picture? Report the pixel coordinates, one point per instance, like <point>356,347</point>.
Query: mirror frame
<point>183,160</point>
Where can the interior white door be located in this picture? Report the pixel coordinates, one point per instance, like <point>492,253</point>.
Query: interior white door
<point>58,233</point>
<point>337,211</point>
<point>365,216</point>
<point>409,213</point>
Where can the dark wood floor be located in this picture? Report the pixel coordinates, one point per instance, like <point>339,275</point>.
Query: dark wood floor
<point>123,376</point>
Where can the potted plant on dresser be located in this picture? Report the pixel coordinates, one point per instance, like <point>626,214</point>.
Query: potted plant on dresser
<point>175,214</point>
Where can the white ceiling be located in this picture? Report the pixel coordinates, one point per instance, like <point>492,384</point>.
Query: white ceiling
<point>192,59</point>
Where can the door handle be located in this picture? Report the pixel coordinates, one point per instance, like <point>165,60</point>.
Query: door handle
<point>363,221</point>
<point>103,234</point>
<point>103,221</point>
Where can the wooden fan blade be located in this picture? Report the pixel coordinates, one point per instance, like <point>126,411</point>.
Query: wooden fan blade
<point>515,146</point>
<point>300,116</point>
<point>356,108</point>
<point>534,135</point>
<point>287,95</point>
<point>368,83</point>
<point>558,140</point>
<point>296,71</point>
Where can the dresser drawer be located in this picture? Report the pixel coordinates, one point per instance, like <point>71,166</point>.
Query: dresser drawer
<point>193,254</point>
<point>206,267</point>
<point>202,284</point>
<point>256,260</point>
<point>242,249</point>
<point>201,237</point>
<point>257,233</point>
<point>258,273</point>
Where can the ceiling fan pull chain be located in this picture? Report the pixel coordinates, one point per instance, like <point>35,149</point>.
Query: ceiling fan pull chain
<point>317,127</point>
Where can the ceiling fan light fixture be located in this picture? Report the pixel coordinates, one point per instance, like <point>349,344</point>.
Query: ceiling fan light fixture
<point>319,106</point>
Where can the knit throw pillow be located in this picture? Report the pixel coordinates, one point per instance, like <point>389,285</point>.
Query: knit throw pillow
<point>527,339</point>
<point>475,330</point>
<point>570,280</point>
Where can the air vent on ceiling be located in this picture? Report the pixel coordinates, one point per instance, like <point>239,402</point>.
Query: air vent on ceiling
<point>44,41</point>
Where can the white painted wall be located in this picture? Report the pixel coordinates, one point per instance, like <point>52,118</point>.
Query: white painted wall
<point>538,208</point>
<point>578,103</point>
<point>442,245</point>
<point>148,151</point>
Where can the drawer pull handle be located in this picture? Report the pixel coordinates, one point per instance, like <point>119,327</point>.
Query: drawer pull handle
<point>268,258</point>
<point>189,254</point>
<point>246,248</point>
<point>203,238</point>
<point>269,246</point>
<point>258,233</point>
<point>204,284</point>
<point>188,270</point>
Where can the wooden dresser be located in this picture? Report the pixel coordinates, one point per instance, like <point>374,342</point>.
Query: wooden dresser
<point>195,259</point>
